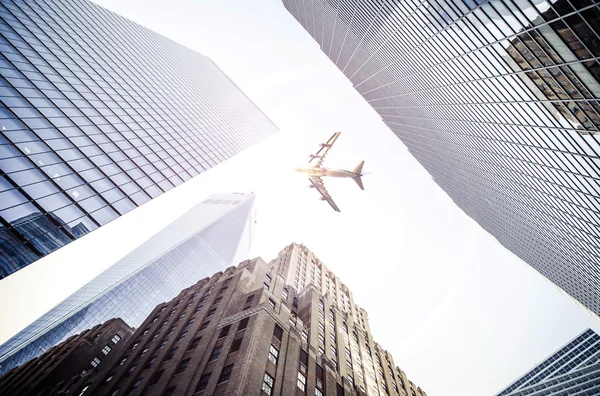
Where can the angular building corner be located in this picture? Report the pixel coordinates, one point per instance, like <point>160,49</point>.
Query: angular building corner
<point>499,101</point>
<point>210,237</point>
<point>98,115</point>
<point>572,370</point>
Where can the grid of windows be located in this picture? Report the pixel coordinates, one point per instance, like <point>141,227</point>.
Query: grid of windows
<point>576,367</point>
<point>99,115</point>
<point>498,100</point>
<point>132,287</point>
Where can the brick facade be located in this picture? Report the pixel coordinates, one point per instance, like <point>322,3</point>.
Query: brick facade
<point>249,331</point>
<point>63,365</point>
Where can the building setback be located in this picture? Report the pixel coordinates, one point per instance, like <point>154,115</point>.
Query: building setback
<point>499,101</point>
<point>210,237</point>
<point>249,331</point>
<point>98,115</point>
<point>573,370</point>
<point>65,364</point>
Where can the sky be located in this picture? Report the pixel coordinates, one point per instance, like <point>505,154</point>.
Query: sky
<point>460,314</point>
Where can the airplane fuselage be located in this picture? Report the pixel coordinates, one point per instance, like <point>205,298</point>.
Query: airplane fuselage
<point>326,172</point>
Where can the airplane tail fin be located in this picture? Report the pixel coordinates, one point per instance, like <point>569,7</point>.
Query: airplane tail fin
<point>359,167</point>
<point>358,171</point>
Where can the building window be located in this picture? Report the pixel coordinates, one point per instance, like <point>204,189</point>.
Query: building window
<point>273,355</point>
<point>268,278</point>
<point>235,345</point>
<point>320,376</point>
<point>151,361</point>
<point>243,324</point>
<point>136,384</point>
<point>144,351</point>
<point>182,366</point>
<point>322,339</point>
<point>162,344</point>
<point>215,353</point>
<point>172,329</point>
<point>278,332</point>
<point>267,386</point>
<point>182,336</point>
<point>272,303</point>
<point>156,377</point>
<point>106,349</point>
<point>301,381</point>
<point>224,331</point>
<point>284,294</point>
<point>171,354</point>
<point>210,312</point>
<point>194,343</point>
<point>110,377</point>
<point>304,336</point>
<point>123,360</point>
<point>322,327</point>
<point>96,361</point>
<point>203,325</point>
<point>131,369</point>
<point>116,338</point>
<point>321,305</point>
<point>169,391</point>
<point>203,383</point>
<point>217,301</point>
<point>265,285</point>
<point>318,392</point>
<point>321,351</point>
<point>225,374</point>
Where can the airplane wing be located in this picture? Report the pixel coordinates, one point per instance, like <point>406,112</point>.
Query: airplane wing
<point>320,187</point>
<point>320,155</point>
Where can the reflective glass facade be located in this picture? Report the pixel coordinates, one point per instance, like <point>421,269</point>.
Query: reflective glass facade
<point>98,115</point>
<point>573,370</point>
<point>207,239</point>
<point>498,100</point>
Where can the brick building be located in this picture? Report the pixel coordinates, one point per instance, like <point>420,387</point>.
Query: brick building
<point>289,327</point>
<point>65,364</point>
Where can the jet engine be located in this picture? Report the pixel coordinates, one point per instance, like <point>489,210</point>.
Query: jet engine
<point>310,186</point>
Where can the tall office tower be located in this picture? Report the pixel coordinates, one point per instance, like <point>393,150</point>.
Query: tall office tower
<point>249,331</point>
<point>99,115</point>
<point>574,370</point>
<point>63,364</point>
<point>498,100</point>
<point>208,238</point>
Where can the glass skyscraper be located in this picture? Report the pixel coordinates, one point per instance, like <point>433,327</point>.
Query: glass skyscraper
<point>573,370</point>
<point>210,237</point>
<point>98,115</point>
<point>498,100</point>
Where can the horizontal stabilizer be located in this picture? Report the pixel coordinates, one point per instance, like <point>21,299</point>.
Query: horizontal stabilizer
<point>358,181</point>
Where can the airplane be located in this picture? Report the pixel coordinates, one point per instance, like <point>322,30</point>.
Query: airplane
<point>316,172</point>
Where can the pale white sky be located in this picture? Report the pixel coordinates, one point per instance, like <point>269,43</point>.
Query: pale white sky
<point>460,313</point>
